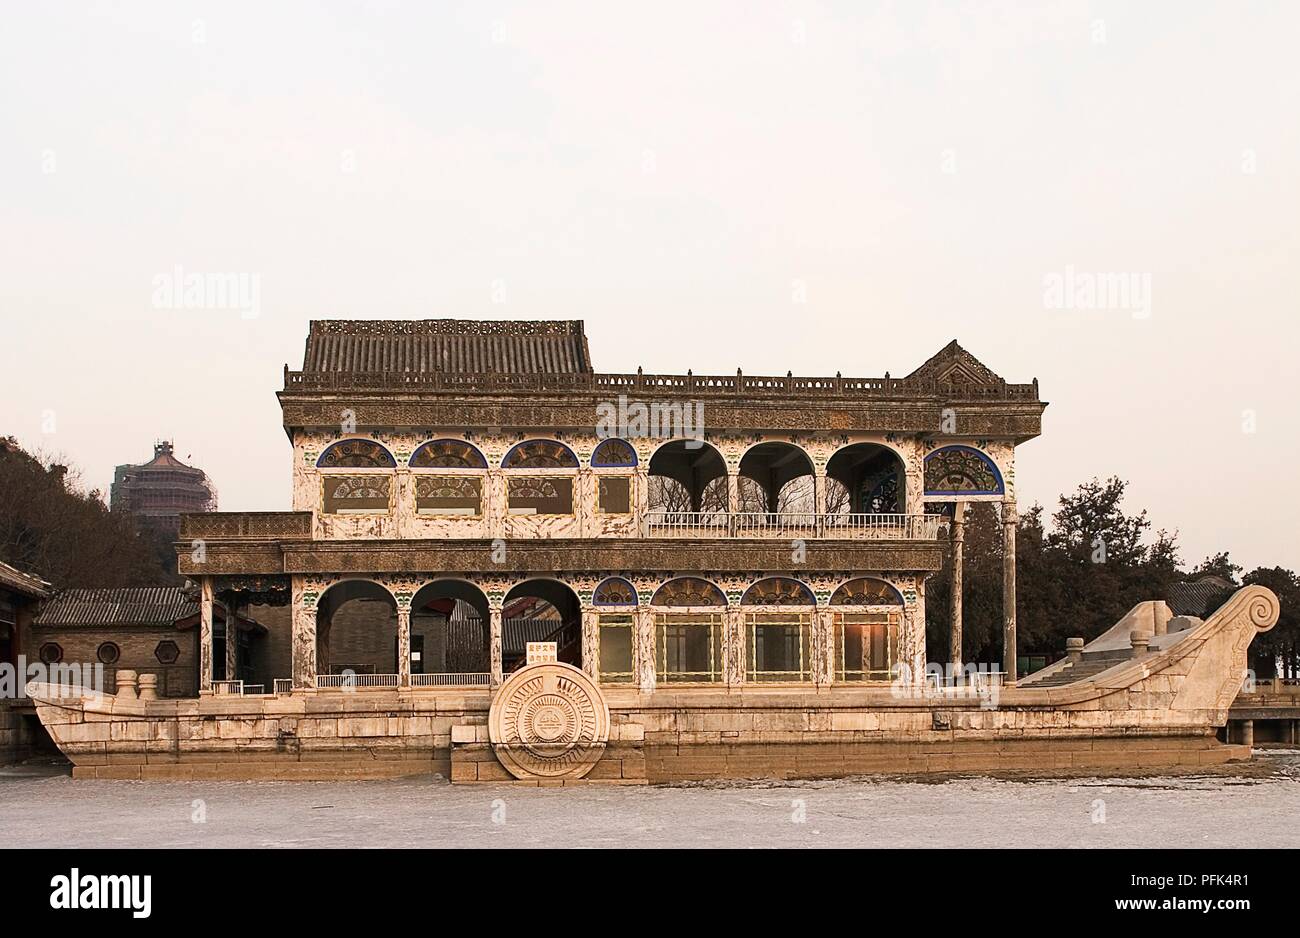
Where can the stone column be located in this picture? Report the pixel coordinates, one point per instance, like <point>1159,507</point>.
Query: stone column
<point>823,646</point>
<point>916,626</point>
<point>205,635</point>
<point>591,642</point>
<point>641,499</point>
<point>958,529</point>
<point>585,494</point>
<point>733,492</point>
<point>494,643</point>
<point>495,503</point>
<point>1009,591</point>
<point>645,648</point>
<point>303,646</point>
<point>819,492</point>
<point>232,639</point>
<point>404,647</point>
<point>733,631</point>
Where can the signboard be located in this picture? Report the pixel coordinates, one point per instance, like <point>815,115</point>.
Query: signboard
<point>541,652</point>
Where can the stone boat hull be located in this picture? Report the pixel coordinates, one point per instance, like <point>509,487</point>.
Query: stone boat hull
<point>550,724</point>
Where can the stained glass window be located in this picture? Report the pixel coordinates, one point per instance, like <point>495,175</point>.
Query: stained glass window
<point>540,454</point>
<point>778,591</point>
<point>866,591</point>
<point>614,591</point>
<point>688,591</point>
<point>356,454</point>
<point>614,453</point>
<point>448,454</point>
<point>961,470</point>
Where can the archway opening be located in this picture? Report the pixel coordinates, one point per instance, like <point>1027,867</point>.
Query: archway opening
<point>541,611</point>
<point>356,636</point>
<point>776,478</point>
<point>450,632</point>
<point>865,478</point>
<point>687,476</point>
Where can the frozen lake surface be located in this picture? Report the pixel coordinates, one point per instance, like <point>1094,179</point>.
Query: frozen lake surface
<point>1255,805</point>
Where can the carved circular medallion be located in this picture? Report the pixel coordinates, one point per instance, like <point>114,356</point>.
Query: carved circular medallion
<point>548,721</point>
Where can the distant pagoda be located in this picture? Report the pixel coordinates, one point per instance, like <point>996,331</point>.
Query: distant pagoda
<point>162,489</point>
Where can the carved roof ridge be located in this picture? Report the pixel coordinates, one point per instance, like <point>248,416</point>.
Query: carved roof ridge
<point>512,327</point>
<point>953,365</point>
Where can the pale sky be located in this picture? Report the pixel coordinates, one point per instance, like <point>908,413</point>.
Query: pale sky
<point>679,176</point>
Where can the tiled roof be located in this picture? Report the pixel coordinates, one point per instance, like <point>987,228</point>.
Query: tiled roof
<point>14,579</point>
<point>464,346</point>
<point>1199,598</point>
<point>131,606</point>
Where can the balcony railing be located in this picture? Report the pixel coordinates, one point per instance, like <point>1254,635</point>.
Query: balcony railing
<point>784,387</point>
<point>363,681</point>
<point>354,681</point>
<point>246,524</point>
<point>782,525</point>
<point>462,679</point>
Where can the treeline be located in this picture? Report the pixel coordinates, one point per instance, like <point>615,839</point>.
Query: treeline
<point>1079,572</point>
<point>52,528</point>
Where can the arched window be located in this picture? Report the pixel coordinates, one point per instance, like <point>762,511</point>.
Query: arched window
<point>688,591</point>
<point>961,470</point>
<point>778,591</point>
<point>867,591</point>
<point>356,454</point>
<point>448,454</point>
<point>615,597</point>
<point>613,453</point>
<point>866,643</point>
<point>614,591</point>
<point>539,454</point>
<point>778,645</point>
<point>689,646</point>
<point>539,494</point>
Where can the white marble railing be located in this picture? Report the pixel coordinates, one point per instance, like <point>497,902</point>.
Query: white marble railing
<point>353,681</point>
<point>784,525</point>
<point>452,679</point>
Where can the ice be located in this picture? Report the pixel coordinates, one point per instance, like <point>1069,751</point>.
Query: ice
<point>1250,805</point>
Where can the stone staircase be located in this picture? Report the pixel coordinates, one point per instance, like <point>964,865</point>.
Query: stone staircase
<point>1089,667</point>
